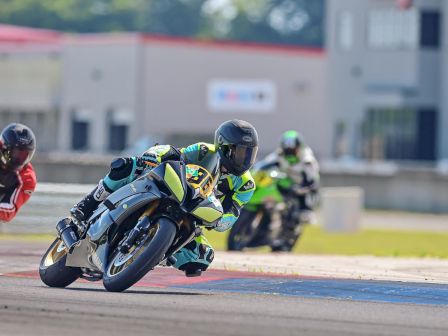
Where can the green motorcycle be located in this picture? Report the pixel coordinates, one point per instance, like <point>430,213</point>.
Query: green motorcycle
<point>262,219</point>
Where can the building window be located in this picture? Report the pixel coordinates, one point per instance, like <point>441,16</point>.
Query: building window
<point>117,137</point>
<point>345,30</point>
<point>399,134</point>
<point>119,120</point>
<point>80,128</point>
<point>430,29</point>
<point>80,134</point>
<point>393,28</point>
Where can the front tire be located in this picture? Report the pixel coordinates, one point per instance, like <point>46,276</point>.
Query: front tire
<point>125,270</point>
<point>52,269</point>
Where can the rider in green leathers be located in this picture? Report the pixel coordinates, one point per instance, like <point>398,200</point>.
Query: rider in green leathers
<point>297,161</point>
<point>236,142</point>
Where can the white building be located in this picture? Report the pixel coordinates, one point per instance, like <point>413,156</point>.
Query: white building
<point>374,92</point>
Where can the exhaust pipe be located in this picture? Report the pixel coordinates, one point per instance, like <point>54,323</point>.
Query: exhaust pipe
<point>68,233</point>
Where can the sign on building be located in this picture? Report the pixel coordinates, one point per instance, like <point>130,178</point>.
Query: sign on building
<point>257,96</point>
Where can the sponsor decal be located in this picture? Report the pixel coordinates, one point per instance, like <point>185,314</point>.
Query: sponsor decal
<point>98,195</point>
<point>247,186</point>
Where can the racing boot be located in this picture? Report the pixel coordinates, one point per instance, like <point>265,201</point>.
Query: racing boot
<point>85,208</point>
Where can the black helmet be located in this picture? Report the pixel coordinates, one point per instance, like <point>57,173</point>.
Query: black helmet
<point>291,143</point>
<point>17,146</point>
<point>237,144</point>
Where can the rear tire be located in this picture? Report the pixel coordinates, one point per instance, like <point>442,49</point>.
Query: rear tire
<point>52,269</point>
<point>118,280</point>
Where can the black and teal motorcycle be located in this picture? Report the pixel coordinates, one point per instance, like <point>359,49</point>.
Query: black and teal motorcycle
<point>138,227</point>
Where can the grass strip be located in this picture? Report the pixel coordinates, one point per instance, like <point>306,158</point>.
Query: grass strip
<point>375,242</point>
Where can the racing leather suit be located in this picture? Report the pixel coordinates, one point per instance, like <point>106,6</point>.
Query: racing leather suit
<point>233,191</point>
<point>16,188</point>
<point>304,173</point>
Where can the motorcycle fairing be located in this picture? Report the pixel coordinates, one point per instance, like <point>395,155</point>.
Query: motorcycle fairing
<point>92,252</point>
<point>209,210</point>
<point>141,185</point>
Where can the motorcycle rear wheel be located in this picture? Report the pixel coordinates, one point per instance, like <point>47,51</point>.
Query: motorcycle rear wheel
<point>52,269</point>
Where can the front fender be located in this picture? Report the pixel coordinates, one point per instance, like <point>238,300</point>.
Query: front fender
<point>123,210</point>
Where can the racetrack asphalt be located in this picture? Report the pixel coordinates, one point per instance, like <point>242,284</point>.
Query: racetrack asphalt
<point>221,303</point>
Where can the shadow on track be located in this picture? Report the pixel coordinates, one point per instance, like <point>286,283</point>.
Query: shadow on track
<point>133,291</point>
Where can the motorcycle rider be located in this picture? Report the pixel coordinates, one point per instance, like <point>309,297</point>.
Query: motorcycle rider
<point>17,176</point>
<point>236,142</point>
<point>297,161</point>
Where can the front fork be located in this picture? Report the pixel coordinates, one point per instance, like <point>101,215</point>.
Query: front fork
<point>141,228</point>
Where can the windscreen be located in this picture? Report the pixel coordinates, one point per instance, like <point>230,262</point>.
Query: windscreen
<point>202,173</point>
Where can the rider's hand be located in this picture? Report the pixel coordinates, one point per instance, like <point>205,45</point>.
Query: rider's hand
<point>225,223</point>
<point>8,179</point>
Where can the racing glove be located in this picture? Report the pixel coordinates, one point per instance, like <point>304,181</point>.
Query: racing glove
<point>225,222</point>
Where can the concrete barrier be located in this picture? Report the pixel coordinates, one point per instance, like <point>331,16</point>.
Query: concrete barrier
<point>52,201</point>
<point>386,185</point>
<point>342,208</point>
<point>49,203</point>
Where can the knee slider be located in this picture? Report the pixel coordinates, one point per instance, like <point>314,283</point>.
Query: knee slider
<point>120,168</point>
<point>193,266</point>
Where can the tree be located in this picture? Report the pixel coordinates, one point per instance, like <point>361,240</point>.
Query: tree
<point>295,22</point>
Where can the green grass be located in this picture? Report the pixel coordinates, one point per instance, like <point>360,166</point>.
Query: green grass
<point>366,242</point>
<point>43,237</point>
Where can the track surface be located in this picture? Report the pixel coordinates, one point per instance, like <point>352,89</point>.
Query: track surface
<point>219,304</point>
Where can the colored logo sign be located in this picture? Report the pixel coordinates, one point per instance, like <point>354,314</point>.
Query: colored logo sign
<point>242,95</point>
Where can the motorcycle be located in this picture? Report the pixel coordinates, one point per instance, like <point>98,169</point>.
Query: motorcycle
<point>269,218</point>
<point>138,227</point>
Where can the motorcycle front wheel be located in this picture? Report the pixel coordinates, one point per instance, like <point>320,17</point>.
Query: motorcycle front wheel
<point>124,270</point>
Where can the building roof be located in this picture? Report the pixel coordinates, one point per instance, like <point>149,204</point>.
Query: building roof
<point>13,35</point>
<point>17,34</point>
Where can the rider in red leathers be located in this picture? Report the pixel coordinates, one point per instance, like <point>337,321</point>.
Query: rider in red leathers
<point>17,176</point>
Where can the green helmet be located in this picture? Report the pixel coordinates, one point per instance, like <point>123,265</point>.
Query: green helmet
<point>290,145</point>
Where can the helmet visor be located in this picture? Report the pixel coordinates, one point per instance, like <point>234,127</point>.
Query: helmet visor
<point>13,159</point>
<point>291,151</point>
<point>243,157</point>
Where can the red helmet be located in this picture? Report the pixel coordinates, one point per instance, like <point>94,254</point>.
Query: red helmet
<point>17,146</point>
